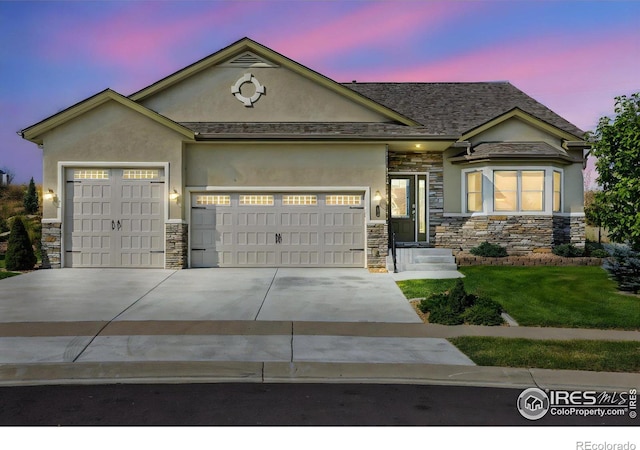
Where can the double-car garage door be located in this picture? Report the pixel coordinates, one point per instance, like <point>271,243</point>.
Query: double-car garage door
<point>277,230</point>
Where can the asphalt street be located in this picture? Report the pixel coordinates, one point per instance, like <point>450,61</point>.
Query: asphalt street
<point>252,404</point>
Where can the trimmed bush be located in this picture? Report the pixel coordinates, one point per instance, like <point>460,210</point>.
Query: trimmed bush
<point>486,311</point>
<point>489,250</point>
<point>457,307</point>
<point>20,255</point>
<point>624,267</point>
<point>568,251</point>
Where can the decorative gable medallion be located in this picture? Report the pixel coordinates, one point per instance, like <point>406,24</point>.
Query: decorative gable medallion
<point>248,101</point>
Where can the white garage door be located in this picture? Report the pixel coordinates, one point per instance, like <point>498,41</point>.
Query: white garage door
<point>114,218</point>
<point>277,230</point>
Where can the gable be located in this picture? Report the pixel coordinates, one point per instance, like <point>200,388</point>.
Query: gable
<point>35,132</point>
<point>202,92</point>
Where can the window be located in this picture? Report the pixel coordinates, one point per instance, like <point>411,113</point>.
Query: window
<point>532,198</point>
<point>518,190</point>
<point>557,191</point>
<point>256,200</point>
<point>299,200</point>
<point>400,198</point>
<point>505,190</point>
<point>474,191</point>
<point>219,200</point>
<point>339,200</point>
<point>140,174</point>
<point>91,174</point>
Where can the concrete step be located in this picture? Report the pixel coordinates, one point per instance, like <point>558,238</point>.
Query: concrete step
<point>427,267</point>
<point>435,259</point>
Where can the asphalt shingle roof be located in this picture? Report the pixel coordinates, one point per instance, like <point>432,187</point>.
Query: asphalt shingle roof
<point>513,150</point>
<point>455,108</point>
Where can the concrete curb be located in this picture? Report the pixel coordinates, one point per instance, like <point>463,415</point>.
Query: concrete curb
<point>310,372</point>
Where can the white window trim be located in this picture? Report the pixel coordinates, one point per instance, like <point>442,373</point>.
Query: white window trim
<point>488,191</point>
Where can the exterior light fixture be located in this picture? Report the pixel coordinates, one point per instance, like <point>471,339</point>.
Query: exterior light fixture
<point>418,145</point>
<point>49,195</point>
<point>173,196</point>
<point>378,198</point>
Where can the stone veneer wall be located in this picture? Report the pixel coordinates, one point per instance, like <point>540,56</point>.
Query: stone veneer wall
<point>377,245</point>
<point>177,246</point>
<point>520,235</point>
<point>569,230</point>
<point>51,245</point>
<point>432,164</point>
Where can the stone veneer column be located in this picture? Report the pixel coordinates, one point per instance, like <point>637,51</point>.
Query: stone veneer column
<point>177,242</point>
<point>51,245</point>
<point>424,162</point>
<point>377,245</point>
<point>569,230</point>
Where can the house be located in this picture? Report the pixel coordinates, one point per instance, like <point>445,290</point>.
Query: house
<point>248,158</point>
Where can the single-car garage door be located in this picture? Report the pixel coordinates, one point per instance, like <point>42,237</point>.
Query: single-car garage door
<point>277,230</point>
<point>114,218</point>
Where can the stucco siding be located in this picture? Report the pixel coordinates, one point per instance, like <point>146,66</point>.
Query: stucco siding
<point>278,165</point>
<point>111,133</point>
<point>289,97</point>
<point>515,130</point>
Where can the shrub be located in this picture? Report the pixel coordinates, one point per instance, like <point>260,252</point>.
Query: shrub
<point>4,226</point>
<point>457,307</point>
<point>20,255</point>
<point>599,253</point>
<point>624,267</point>
<point>567,251</point>
<point>445,315</point>
<point>489,250</point>
<point>485,311</point>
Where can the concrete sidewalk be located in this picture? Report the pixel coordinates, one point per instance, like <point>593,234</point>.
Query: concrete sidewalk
<point>276,351</point>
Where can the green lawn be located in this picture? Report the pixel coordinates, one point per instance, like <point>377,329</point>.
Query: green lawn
<point>575,297</point>
<point>600,356</point>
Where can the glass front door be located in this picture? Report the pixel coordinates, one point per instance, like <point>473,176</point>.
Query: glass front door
<point>408,207</point>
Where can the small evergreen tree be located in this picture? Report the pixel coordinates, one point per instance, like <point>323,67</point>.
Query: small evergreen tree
<point>20,255</point>
<point>31,199</point>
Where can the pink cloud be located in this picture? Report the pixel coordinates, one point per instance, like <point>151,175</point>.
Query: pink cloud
<point>138,34</point>
<point>377,24</point>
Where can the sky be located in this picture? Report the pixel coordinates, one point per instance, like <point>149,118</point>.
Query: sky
<point>573,56</point>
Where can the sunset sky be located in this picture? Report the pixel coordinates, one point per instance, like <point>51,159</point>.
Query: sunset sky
<point>573,56</point>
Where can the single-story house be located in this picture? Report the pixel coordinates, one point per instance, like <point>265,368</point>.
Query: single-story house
<point>247,158</point>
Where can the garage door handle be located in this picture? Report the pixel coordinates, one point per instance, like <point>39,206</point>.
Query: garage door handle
<point>113,225</point>
<point>278,238</point>
<point>119,225</point>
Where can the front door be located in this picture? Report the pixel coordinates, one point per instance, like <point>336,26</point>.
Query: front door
<point>409,209</point>
<point>403,207</point>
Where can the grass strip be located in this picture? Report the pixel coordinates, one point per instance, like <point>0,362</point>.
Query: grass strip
<point>599,356</point>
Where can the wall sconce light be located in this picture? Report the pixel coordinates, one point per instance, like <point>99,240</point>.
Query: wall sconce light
<point>173,196</point>
<point>378,198</point>
<point>49,195</point>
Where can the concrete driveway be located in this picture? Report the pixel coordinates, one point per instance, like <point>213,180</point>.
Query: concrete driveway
<point>320,295</point>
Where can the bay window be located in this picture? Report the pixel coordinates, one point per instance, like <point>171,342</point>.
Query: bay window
<point>531,190</point>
